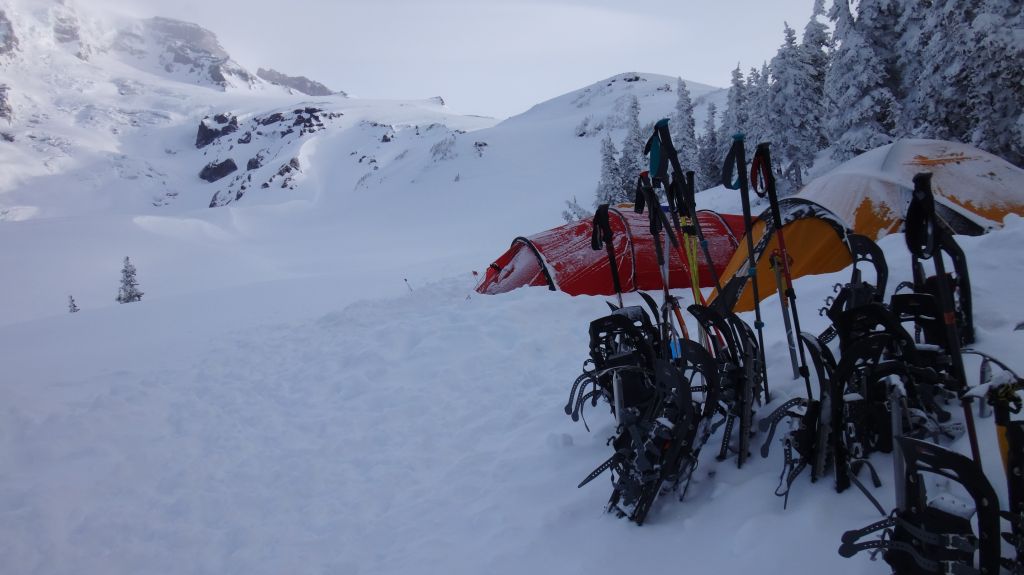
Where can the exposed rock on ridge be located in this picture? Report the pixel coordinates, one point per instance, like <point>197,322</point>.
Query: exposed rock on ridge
<point>300,84</point>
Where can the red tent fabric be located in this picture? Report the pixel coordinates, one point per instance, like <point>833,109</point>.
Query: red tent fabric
<point>562,259</point>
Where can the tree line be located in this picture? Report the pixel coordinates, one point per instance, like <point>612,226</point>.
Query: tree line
<point>883,70</point>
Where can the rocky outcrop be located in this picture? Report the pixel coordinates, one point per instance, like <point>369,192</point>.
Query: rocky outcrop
<point>300,84</point>
<point>217,170</point>
<point>211,129</point>
<point>183,49</point>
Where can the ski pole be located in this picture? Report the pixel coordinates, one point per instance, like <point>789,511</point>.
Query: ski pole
<point>602,235</point>
<point>645,196</point>
<point>683,200</point>
<point>736,159</point>
<point>762,169</point>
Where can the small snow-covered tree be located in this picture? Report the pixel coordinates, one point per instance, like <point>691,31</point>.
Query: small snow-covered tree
<point>683,126</point>
<point>609,187</point>
<point>631,160</point>
<point>574,212</point>
<point>709,157</point>
<point>129,290</point>
<point>72,308</point>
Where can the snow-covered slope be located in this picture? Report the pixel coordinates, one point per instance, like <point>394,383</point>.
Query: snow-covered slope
<point>278,429</point>
<point>141,137</point>
<point>309,384</point>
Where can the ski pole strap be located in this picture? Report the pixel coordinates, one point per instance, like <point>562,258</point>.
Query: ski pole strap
<point>732,163</point>
<point>761,171</point>
<point>602,231</point>
<point>921,237</point>
<point>602,235</point>
<point>656,216</point>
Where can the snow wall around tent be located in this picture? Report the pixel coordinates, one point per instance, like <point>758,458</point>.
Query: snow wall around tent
<point>815,241</point>
<point>562,258</point>
<point>974,190</point>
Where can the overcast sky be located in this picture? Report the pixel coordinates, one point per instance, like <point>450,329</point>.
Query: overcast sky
<point>488,57</point>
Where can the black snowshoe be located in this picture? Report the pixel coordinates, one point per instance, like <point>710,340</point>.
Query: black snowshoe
<point>660,426</point>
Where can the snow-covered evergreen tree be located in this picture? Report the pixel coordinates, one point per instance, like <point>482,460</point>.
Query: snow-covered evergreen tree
<point>997,91</point>
<point>734,118</point>
<point>940,105</point>
<point>709,155</point>
<point>862,109</point>
<point>631,160</point>
<point>72,307</point>
<point>911,34</point>
<point>609,187</point>
<point>759,110</point>
<point>684,128</point>
<point>789,117</point>
<point>129,290</point>
<point>797,95</point>
<point>574,212</point>
<point>815,51</point>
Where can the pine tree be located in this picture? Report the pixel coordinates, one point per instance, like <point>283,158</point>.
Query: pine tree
<point>940,106</point>
<point>759,110</point>
<point>709,157</point>
<point>631,160</point>
<point>913,32</point>
<point>862,110</point>
<point>129,290</point>
<point>609,187</point>
<point>684,128</point>
<point>734,119</point>
<point>72,308</point>
<point>788,114</point>
<point>815,52</point>
<point>796,100</point>
<point>996,94</point>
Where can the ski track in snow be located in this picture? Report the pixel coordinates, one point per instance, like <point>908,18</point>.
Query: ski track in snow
<point>416,434</point>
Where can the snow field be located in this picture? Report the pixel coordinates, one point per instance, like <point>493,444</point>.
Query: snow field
<point>417,433</point>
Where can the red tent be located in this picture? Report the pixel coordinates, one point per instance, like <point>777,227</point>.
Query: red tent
<point>562,259</point>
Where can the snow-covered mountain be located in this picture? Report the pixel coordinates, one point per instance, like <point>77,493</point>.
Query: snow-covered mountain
<point>152,121</point>
<point>309,384</point>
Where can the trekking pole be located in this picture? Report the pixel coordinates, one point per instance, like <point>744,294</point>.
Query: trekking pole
<point>924,240</point>
<point>761,168</point>
<point>602,235</point>
<point>690,203</point>
<point>659,147</point>
<point>645,196</point>
<point>681,196</point>
<point>736,159</point>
